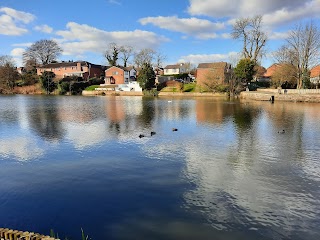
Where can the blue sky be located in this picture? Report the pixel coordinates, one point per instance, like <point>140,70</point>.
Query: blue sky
<point>183,30</point>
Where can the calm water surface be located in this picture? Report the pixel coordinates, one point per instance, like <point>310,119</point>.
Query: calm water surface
<point>68,163</point>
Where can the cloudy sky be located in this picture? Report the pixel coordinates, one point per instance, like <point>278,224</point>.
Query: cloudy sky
<point>182,30</point>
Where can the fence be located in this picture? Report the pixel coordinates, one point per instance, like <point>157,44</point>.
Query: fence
<point>291,91</point>
<point>8,234</point>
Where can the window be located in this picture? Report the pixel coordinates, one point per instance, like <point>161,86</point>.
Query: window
<point>115,73</point>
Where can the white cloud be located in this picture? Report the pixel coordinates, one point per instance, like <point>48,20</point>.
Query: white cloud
<point>43,28</point>
<point>285,15</point>
<point>18,15</point>
<point>274,12</point>
<point>17,52</point>
<point>81,38</point>
<point>207,58</point>
<point>242,8</point>
<point>278,35</point>
<point>226,35</point>
<point>200,28</point>
<point>11,19</point>
<point>115,2</point>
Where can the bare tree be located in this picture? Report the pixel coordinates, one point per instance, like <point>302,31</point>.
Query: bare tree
<point>43,52</point>
<point>301,50</point>
<point>249,30</point>
<point>144,56</point>
<point>112,54</point>
<point>159,59</point>
<point>284,54</point>
<point>126,52</point>
<point>304,43</point>
<point>8,73</point>
<point>285,75</point>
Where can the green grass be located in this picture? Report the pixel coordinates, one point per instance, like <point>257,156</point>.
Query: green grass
<point>189,87</point>
<point>170,89</point>
<point>92,87</point>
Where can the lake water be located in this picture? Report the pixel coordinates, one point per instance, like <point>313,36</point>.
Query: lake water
<point>68,163</point>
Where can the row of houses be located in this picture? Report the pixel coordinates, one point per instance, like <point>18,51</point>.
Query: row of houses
<point>218,72</point>
<point>314,73</point>
<point>124,75</point>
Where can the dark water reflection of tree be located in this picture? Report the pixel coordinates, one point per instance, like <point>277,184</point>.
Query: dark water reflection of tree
<point>44,119</point>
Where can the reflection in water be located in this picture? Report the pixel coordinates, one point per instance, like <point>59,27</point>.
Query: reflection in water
<point>43,118</point>
<point>148,111</point>
<point>20,148</point>
<point>214,111</point>
<point>225,174</point>
<point>255,179</point>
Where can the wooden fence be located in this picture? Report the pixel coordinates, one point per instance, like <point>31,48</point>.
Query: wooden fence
<point>8,234</point>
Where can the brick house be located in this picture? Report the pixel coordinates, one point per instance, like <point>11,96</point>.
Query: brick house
<point>175,69</point>
<point>218,72</point>
<point>120,75</point>
<point>83,69</point>
<point>315,74</point>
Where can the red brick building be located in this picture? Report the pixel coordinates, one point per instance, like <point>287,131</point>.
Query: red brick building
<point>217,72</point>
<point>315,74</point>
<point>83,69</point>
<point>120,75</point>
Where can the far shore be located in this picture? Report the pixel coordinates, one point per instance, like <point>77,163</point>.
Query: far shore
<point>171,94</point>
<point>291,95</point>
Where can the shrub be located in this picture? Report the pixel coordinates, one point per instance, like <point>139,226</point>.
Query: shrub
<point>63,87</point>
<point>96,81</point>
<point>151,93</point>
<point>77,87</point>
<point>189,87</point>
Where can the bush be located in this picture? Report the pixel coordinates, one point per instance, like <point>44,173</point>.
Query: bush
<point>263,84</point>
<point>63,87</point>
<point>77,87</point>
<point>151,93</point>
<point>96,81</point>
<point>222,88</point>
<point>28,79</point>
<point>189,87</point>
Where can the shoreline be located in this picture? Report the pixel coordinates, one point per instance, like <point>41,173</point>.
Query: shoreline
<point>161,94</point>
<point>293,97</point>
<point>260,95</point>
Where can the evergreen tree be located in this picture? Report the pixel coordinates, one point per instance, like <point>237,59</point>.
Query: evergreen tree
<point>245,69</point>
<point>146,77</point>
<point>47,83</point>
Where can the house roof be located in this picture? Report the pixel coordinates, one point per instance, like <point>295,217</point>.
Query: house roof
<point>128,68</point>
<point>175,66</point>
<point>315,71</point>
<point>70,64</point>
<point>270,70</point>
<point>212,65</point>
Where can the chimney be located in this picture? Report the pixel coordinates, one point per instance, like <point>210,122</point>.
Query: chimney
<point>78,66</point>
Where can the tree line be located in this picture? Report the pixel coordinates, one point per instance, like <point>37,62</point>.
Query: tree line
<point>295,58</point>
